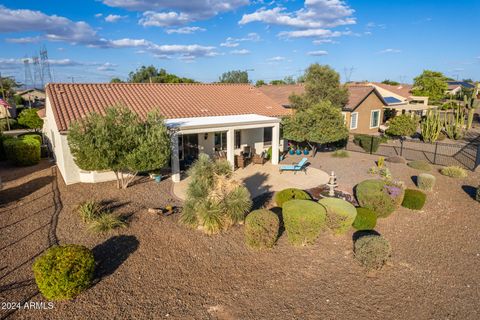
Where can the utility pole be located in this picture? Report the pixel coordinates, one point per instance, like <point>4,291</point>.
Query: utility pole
<point>3,97</point>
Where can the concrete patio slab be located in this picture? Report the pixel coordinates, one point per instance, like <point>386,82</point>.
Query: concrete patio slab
<point>261,179</point>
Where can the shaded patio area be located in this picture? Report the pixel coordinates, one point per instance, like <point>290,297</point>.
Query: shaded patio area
<point>260,179</point>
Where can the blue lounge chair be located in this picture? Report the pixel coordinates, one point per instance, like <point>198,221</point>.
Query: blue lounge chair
<point>301,166</point>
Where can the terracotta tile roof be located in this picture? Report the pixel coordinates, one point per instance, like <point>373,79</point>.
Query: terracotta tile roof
<point>73,101</point>
<point>281,93</point>
<point>403,90</point>
<point>42,112</point>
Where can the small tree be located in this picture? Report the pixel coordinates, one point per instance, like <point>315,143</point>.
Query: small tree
<point>321,123</point>
<point>260,83</point>
<point>120,141</point>
<point>390,82</point>
<point>234,76</point>
<point>402,126</point>
<point>431,84</point>
<point>30,119</point>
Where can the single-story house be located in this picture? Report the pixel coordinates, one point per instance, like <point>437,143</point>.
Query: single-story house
<point>455,87</point>
<point>363,113</point>
<point>400,98</point>
<point>207,118</point>
<point>33,97</point>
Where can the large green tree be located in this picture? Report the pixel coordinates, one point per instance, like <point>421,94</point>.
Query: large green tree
<point>431,84</point>
<point>151,74</point>
<point>320,123</point>
<point>322,83</point>
<point>120,141</point>
<point>234,76</point>
<point>30,119</point>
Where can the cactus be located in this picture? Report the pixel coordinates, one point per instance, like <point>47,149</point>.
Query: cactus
<point>471,112</point>
<point>454,124</point>
<point>431,126</point>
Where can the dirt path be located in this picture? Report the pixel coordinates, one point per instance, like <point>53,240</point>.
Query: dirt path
<point>29,207</point>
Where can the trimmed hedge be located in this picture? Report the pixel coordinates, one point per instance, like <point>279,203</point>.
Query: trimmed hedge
<point>454,172</point>
<point>304,220</point>
<point>261,229</point>
<point>426,181</point>
<point>290,194</point>
<point>368,143</point>
<point>3,153</point>
<point>366,219</point>
<point>420,165</point>
<point>23,152</point>
<point>414,199</point>
<point>31,136</point>
<point>380,196</point>
<point>63,272</point>
<point>340,214</point>
<point>372,251</point>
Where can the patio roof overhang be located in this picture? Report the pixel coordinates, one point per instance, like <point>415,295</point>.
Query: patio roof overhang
<point>204,124</point>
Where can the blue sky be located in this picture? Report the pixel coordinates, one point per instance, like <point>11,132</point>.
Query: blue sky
<point>95,40</point>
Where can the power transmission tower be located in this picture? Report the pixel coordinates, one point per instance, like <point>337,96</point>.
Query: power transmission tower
<point>348,73</point>
<point>37,73</point>
<point>45,64</point>
<point>28,74</point>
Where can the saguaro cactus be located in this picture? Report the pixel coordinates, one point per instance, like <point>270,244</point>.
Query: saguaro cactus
<point>431,126</point>
<point>454,124</point>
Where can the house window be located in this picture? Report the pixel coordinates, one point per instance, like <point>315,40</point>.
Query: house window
<point>375,119</point>
<point>220,141</point>
<point>354,120</point>
<point>238,139</point>
<point>267,136</point>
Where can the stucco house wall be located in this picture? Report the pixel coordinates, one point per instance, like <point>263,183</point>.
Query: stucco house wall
<point>364,115</point>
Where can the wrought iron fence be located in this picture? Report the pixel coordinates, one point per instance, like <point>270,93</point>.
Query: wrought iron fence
<point>465,155</point>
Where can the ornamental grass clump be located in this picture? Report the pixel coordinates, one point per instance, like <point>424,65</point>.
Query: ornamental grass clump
<point>261,229</point>
<point>420,165</point>
<point>340,214</point>
<point>454,172</point>
<point>62,272</point>
<point>372,251</point>
<point>340,154</point>
<point>414,199</point>
<point>426,181</point>
<point>215,201</point>
<point>366,219</point>
<point>304,221</point>
<point>98,218</point>
<point>381,196</point>
<point>290,194</point>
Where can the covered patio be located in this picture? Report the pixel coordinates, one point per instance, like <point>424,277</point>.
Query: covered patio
<point>228,134</point>
<point>260,179</point>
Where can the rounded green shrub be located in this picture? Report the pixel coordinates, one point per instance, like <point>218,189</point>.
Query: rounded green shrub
<point>261,229</point>
<point>372,251</point>
<point>380,196</point>
<point>366,219</point>
<point>290,194</point>
<point>414,199</point>
<point>304,220</point>
<point>22,152</point>
<point>454,172</point>
<point>63,272</point>
<point>426,181</point>
<point>34,136</point>
<point>340,214</point>
<point>420,165</point>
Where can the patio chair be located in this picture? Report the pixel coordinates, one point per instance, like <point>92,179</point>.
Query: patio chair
<point>300,166</point>
<point>260,158</point>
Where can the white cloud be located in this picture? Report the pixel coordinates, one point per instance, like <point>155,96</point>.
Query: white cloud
<point>114,18</point>
<point>235,42</point>
<point>55,62</point>
<point>240,52</point>
<point>317,53</point>
<point>23,40</point>
<point>107,66</point>
<point>98,15</point>
<point>390,50</point>
<point>323,41</point>
<point>185,30</point>
<point>309,33</point>
<point>163,13</point>
<point>276,59</point>
<point>314,14</point>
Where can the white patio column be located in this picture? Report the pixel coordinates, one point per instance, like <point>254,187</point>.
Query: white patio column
<point>275,143</point>
<point>175,158</point>
<point>231,147</point>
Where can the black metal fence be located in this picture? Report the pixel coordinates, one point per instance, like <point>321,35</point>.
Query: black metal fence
<point>466,155</point>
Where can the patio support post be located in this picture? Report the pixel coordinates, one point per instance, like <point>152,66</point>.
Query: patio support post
<point>231,147</point>
<point>275,143</point>
<point>175,158</point>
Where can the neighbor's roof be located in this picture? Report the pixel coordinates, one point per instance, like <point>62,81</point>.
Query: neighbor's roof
<point>455,84</point>
<point>281,93</point>
<point>73,101</point>
<point>403,90</point>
